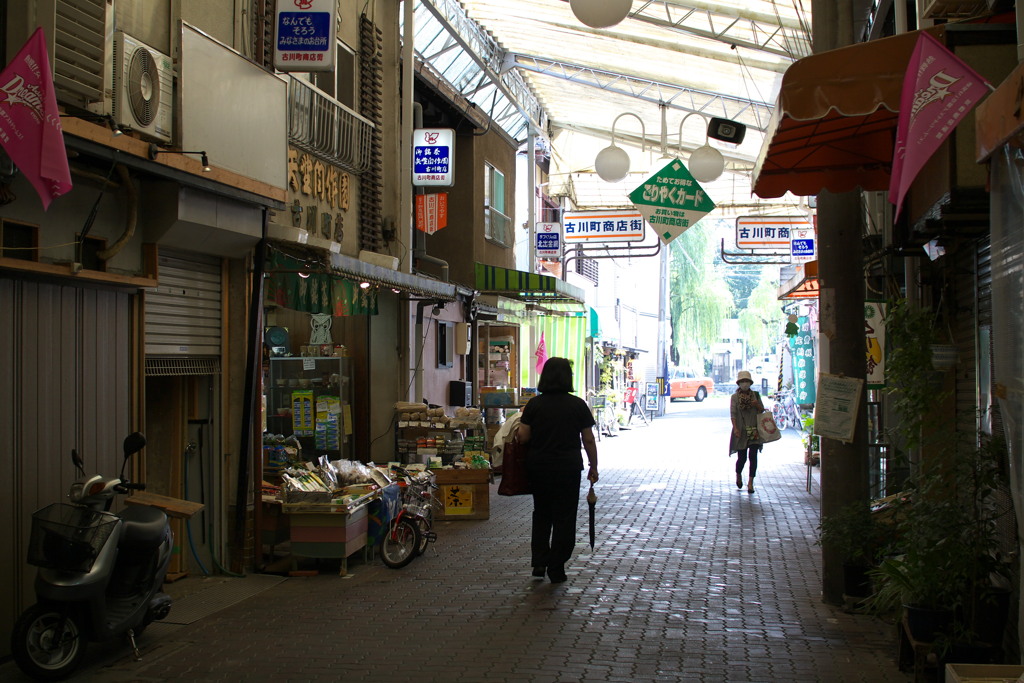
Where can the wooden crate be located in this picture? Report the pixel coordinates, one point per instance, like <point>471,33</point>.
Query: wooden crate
<point>465,494</point>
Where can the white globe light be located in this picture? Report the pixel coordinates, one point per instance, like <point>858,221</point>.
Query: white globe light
<point>706,164</point>
<point>601,13</point>
<point>612,164</point>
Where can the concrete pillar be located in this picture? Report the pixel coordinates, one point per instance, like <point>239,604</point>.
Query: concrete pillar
<point>844,467</point>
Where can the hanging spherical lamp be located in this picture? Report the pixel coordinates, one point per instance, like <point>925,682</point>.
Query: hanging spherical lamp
<point>601,13</point>
<point>706,164</point>
<point>612,164</point>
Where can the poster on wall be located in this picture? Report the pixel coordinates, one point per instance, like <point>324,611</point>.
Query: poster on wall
<point>835,413</point>
<point>874,339</point>
<point>801,346</point>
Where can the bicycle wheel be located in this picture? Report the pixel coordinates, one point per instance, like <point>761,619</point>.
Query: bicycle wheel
<point>781,421</point>
<point>399,545</point>
<point>424,524</point>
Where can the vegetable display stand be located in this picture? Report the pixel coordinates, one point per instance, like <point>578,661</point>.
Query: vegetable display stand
<point>327,531</point>
<point>465,494</point>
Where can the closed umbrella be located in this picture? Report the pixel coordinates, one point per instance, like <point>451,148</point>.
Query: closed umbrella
<point>591,500</point>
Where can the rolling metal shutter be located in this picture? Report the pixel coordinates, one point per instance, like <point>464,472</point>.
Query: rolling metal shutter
<point>183,313</point>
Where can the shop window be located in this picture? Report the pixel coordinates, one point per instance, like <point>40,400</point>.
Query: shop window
<point>445,344</point>
<point>18,240</point>
<point>90,247</point>
<point>341,83</point>
<point>497,225</point>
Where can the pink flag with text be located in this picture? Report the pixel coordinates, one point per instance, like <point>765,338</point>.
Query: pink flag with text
<point>938,91</point>
<point>30,129</point>
<point>541,353</point>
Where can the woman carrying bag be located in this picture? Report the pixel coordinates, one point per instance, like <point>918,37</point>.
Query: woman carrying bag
<point>744,407</point>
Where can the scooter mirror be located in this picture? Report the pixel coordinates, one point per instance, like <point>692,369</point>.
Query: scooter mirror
<point>133,443</point>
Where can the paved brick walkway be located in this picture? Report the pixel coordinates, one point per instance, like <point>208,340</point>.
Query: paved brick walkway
<point>691,580</point>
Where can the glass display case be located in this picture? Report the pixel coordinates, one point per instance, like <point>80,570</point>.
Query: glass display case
<point>311,398</point>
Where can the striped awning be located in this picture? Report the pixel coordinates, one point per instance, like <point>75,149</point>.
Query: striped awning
<point>529,287</point>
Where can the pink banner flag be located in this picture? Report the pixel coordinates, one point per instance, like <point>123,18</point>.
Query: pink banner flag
<point>30,129</point>
<point>541,353</point>
<point>938,91</point>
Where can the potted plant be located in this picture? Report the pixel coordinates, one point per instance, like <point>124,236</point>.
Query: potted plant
<point>947,564</point>
<point>853,532</point>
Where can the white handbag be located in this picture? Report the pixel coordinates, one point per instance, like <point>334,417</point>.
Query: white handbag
<point>766,427</point>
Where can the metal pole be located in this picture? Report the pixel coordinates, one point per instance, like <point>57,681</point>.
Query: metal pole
<point>531,207</point>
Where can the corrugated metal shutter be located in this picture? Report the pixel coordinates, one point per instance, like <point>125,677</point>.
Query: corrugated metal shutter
<point>183,313</point>
<point>66,382</point>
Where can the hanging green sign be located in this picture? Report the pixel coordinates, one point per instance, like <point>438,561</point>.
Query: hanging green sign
<point>671,201</point>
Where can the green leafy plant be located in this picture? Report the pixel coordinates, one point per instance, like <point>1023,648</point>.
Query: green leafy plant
<point>909,374</point>
<point>853,532</point>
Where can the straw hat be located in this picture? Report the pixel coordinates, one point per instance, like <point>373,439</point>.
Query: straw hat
<point>743,375</point>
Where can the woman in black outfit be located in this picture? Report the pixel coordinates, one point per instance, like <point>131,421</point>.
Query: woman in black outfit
<point>552,427</point>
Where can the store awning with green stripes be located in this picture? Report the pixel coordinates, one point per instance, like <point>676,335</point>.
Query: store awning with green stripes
<point>525,286</point>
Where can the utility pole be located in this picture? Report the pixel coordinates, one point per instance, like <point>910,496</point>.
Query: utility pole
<point>844,466</point>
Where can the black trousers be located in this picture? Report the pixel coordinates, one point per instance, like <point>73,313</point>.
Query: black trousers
<point>751,453</point>
<point>556,498</point>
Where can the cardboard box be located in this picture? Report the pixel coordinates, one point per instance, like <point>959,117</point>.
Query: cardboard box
<point>984,673</point>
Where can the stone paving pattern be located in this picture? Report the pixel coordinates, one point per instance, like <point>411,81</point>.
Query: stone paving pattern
<point>690,580</point>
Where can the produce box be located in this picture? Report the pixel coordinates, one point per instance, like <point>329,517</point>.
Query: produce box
<point>984,673</point>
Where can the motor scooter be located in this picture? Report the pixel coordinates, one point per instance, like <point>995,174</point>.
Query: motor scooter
<point>100,573</point>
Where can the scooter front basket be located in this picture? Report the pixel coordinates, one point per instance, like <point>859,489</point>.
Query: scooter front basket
<point>68,537</point>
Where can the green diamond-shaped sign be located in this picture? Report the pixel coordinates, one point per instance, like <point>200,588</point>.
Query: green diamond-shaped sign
<point>671,201</point>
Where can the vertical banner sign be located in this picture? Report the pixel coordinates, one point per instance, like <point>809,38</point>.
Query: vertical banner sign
<point>802,347</point>
<point>433,157</point>
<point>305,35</point>
<point>431,212</point>
<point>672,201</point>
<point>549,244</point>
<point>874,337</point>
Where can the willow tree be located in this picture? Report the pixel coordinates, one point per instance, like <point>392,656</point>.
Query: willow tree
<point>699,298</point>
<point>762,322</point>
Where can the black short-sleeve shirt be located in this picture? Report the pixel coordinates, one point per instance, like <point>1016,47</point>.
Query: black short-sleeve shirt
<point>555,421</point>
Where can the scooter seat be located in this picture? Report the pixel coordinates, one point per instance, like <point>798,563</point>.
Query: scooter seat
<point>143,526</point>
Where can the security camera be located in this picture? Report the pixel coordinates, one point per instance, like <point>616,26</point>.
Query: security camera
<point>726,130</point>
<point>436,310</point>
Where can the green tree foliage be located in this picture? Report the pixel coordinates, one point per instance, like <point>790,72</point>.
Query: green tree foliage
<point>762,321</point>
<point>699,298</point>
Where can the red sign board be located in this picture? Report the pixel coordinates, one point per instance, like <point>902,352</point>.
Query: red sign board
<point>431,212</point>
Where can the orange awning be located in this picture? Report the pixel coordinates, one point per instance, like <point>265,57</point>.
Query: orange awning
<point>803,284</point>
<point>835,120</point>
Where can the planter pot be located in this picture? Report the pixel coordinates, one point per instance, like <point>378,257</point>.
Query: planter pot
<point>925,625</point>
<point>856,582</point>
<point>989,615</point>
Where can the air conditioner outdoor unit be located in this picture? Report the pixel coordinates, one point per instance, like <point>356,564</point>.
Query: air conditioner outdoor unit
<point>143,92</point>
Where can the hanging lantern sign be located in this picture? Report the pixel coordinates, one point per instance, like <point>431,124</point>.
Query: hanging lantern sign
<point>304,35</point>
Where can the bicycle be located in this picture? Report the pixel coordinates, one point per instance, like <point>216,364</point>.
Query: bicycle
<point>411,530</point>
<point>605,421</point>
<point>785,410</point>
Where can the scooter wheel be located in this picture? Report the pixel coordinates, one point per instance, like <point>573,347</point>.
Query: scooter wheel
<point>47,643</point>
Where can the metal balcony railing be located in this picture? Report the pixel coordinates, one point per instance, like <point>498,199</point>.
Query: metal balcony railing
<point>498,227</point>
<point>326,128</point>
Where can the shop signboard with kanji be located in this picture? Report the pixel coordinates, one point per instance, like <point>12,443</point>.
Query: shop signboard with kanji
<point>596,227</point>
<point>433,157</point>
<point>874,337</point>
<point>549,245</point>
<point>671,201</point>
<point>802,246</point>
<point>431,212</point>
<point>304,39</point>
<point>770,232</point>
<point>801,346</point>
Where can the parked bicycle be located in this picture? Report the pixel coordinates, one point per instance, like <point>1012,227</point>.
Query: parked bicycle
<point>411,529</point>
<point>605,421</point>
<point>785,410</point>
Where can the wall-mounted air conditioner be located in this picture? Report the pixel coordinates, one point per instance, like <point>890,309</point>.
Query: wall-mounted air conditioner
<point>143,88</point>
